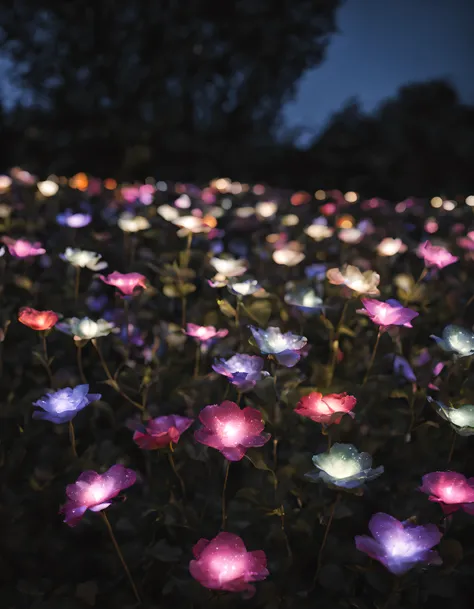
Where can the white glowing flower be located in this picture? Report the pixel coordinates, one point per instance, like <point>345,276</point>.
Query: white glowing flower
<point>229,267</point>
<point>461,418</point>
<point>191,224</point>
<point>85,328</point>
<point>390,247</point>
<point>167,212</point>
<point>319,232</point>
<point>132,224</point>
<point>84,259</point>
<point>289,255</point>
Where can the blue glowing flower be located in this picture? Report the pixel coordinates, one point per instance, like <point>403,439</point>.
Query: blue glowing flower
<point>344,466</point>
<point>305,298</point>
<point>461,418</point>
<point>402,369</point>
<point>286,348</point>
<point>243,286</point>
<point>73,220</point>
<point>399,546</point>
<point>456,340</point>
<point>242,370</point>
<point>63,405</point>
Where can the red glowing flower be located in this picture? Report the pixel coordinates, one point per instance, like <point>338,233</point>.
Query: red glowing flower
<point>231,430</point>
<point>451,490</point>
<point>161,432</point>
<point>390,313</point>
<point>435,255</point>
<point>326,409</point>
<point>127,283</point>
<point>37,320</point>
<point>224,564</point>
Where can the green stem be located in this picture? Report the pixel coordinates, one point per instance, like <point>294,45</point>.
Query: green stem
<point>79,364</point>
<point>120,555</point>
<point>46,362</point>
<point>224,512</point>
<point>326,532</point>
<point>372,359</point>
<point>197,361</point>
<point>453,444</point>
<point>76,283</point>
<point>335,345</point>
<point>175,471</point>
<point>72,438</point>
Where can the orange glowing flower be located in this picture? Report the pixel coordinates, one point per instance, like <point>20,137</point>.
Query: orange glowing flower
<point>37,320</point>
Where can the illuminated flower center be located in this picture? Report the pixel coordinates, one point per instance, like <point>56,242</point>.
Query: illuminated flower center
<point>277,343</point>
<point>231,433</point>
<point>459,344</point>
<point>22,248</point>
<point>60,403</point>
<point>452,494</point>
<point>309,299</point>
<point>340,467</point>
<point>462,417</point>
<point>87,328</point>
<point>227,568</point>
<point>401,546</point>
<point>97,492</point>
<point>82,258</point>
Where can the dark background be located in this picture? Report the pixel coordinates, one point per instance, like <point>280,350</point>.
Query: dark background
<point>362,95</point>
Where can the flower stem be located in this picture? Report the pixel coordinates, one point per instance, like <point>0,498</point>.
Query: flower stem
<point>175,471</point>
<point>335,345</point>
<point>126,316</point>
<point>224,512</point>
<point>45,355</point>
<point>372,359</point>
<point>453,444</point>
<point>187,254</point>
<point>72,438</point>
<point>326,532</point>
<point>79,364</point>
<point>183,311</point>
<point>197,361</point>
<point>76,283</point>
<point>120,555</point>
<point>415,285</point>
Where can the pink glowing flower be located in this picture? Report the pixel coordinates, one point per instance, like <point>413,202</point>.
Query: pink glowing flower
<point>93,491</point>
<point>204,333</point>
<point>127,283</point>
<point>161,432</point>
<point>467,243</point>
<point>435,255</point>
<point>354,279</point>
<point>37,320</point>
<point>224,564</point>
<point>326,409</point>
<point>390,313</point>
<point>20,248</point>
<point>451,490</point>
<point>231,430</point>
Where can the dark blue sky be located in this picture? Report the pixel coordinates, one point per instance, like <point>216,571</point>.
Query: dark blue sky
<point>383,44</point>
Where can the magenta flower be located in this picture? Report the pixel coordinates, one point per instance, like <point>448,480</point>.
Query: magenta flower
<point>399,546</point>
<point>435,255</point>
<point>231,430</point>
<point>20,248</point>
<point>93,491</point>
<point>326,409</point>
<point>127,283</point>
<point>450,489</point>
<point>386,314</point>
<point>161,432</point>
<point>224,564</point>
<point>204,333</point>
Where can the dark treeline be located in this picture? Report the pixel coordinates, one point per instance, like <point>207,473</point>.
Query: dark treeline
<point>193,90</point>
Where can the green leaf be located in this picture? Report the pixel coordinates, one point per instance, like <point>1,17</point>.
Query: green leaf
<point>260,311</point>
<point>347,331</point>
<point>226,308</point>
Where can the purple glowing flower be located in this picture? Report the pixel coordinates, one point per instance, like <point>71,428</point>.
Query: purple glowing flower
<point>231,430</point>
<point>399,546</point>
<point>386,314</point>
<point>204,333</point>
<point>63,405</point>
<point>286,348</point>
<point>161,432</point>
<point>344,467</point>
<point>73,220</point>
<point>20,248</point>
<point>93,491</point>
<point>242,370</point>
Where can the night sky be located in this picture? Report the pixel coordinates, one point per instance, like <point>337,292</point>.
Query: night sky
<point>383,44</point>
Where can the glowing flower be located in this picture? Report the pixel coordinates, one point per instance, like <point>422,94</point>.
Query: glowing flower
<point>63,405</point>
<point>326,409</point>
<point>402,368</point>
<point>167,212</point>
<point>20,248</point>
<point>390,247</point>
<point>354,279</point>
<point>351,235</point>
<point>461,418</point>
<point>319,231</point>
<point>386,314</point>
<point>242,370</point>
<point>224,564</point>
<point>2,251</point>
<point>191,224</point>
<point>286,348</point>
<point>456,340</point>
<point>93,491</point>
<point>161,432</point>
<point>37,320</point>
<point>83,259</point>
<point>399,546</point>
<point>289,255</point>
<point>69,218</point>
<point>204,333</point>
<point>85,328</point>
<point>231,430</point>
<point>451,490</point>
<point>266,209</point>
<point>243,286</point>
<point>132,224</point>
<point>435,255</point>
<point>127,283</point>
<point>344,467</point>
<point>304,298</point>
<point>229,267</point>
